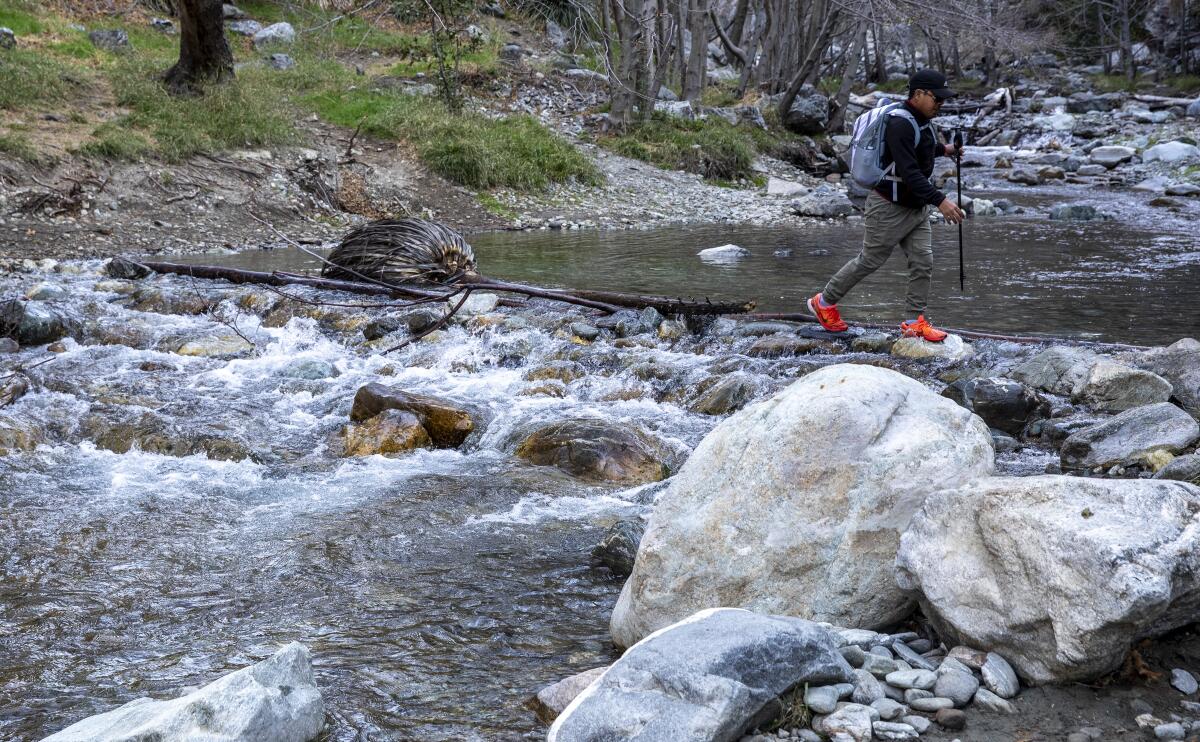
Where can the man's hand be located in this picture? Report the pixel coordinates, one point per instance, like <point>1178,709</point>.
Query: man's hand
<point>950,210</point>
<point>953,150</point>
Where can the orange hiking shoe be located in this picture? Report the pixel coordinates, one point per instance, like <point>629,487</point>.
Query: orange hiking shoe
<point>829,317</point>
<point>919,328</point>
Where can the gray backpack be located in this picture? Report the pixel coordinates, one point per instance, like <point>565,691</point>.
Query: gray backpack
<point>866,144</point>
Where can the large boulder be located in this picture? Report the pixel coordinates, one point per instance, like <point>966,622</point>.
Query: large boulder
<point>1137,436</point>
<point>33,323</point>
<point>388,433</point>
<point>1003,404</point>
<point>1057,369</point>
<point>448,426</point>
<point>1112,155</point>
<point>1181,469</point>
<point>1115,387</point>
<point>809,112</point>
<point>1172,153</point>
<point>275,700</point>
<point>794,505</point>
<point>1180,365</point>
<point>1060,575</point>
<point>708,678</point>
<point>596,450</point>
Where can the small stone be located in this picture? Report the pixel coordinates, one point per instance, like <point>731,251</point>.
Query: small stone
<point>989,701</point>
<point>1147,720</point>
<point>932,704</point>
<point>881,651</point>
<point>112,40</point>
<point>922,679</point>
<point>276,33</point>
<point>958,686</point>
<point>844,690</point>
<point>919,723</point>
<point>1183,681</point>
<point>878,666</point>
<point>889,709</point>
<point>894,693</point>
<point>1174,730</point>
<point>893,730</point>
<point>584,331</point>
<point>999,676</point>
<point>854,655</point>
<point>912,656</point>
<point>972,658</point>
<point>913,694</point>
<point>822,699</point>
<point>951,719</point>
<point>859,637</point>
<point>1078,736</point>
<point>867,689</point>
<point>281,62</point>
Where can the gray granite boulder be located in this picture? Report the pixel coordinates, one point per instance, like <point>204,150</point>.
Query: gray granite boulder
<point>1140,435</point>
<point>794,505</point>
<point>1115,387</point>
<point>809,112</point>
<point>275,700</point>
<point>1057,369</point>
<point>1181,469</point>
<point>1180,365</point>
<point>33,323</point>
<point>1112,155</point>
<point>1059,575</point>
<point>708,678</point>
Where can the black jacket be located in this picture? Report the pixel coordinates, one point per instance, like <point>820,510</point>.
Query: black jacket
<point>914,165</point>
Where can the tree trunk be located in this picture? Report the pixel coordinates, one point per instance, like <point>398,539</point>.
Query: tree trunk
<point>204,54</point>
<point>1128,63</point>
<point>737,28</point>
<point>697,67</point>
<point>837,106</point>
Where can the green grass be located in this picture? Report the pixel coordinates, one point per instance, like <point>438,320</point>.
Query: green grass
<point>19,16</point>
<point>115,141</point>
<point>713,148</point>
<point>247,112</point>
<point>1113,83</point>
<point>18,146</point>
<point>28,78</point>
<point>494,206</point>
<point>1189,84</point>
<point>470,149</point>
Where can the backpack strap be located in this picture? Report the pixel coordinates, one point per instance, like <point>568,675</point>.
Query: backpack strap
<point>889,173</point>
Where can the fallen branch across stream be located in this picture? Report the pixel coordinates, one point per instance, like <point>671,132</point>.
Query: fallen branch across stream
<point>972,334</point>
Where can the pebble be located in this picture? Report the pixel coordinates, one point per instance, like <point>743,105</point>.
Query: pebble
<point>923,679</point>
<point>822,699</point>
<point>972,658</point>
<point>1078,737</point>
<point>806,735</point>
<point>920,646</point>
<point>989,701</point>
<point>844,690</point>
<point>932,704</point>
<point>854,655</point>
<point>1183,681</point>
<point>912,694</point>
<point>881,651</point>
<point>951,719</point>
<point>860,637</point>
<point>893,730</point>
<point>912,656</point>
<point>867,689</point>
<point>919,723</point>
<point>955,681</point>
<point>999,676</point>
<point>1174,730</point>
<point>894,693</point>
<point>889,709</point>
<point>878,666</point>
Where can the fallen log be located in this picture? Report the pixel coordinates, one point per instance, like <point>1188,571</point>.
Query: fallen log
<point>1162,101</point>
<point>972,334</point>
<point>664,304</point>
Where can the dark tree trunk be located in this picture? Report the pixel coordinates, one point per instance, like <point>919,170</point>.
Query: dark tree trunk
<point>204,53</point>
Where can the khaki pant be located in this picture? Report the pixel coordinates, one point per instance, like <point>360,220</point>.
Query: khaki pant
<point>888,225</point>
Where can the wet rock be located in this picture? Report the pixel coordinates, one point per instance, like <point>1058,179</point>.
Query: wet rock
<point>806,475</point>
<point>153,299</point>
<point>389,432</point>
<point>216,346</point>
<point>1179,365</point>
<point>1133,436</point>
<point>693,680</point>
<point>1127,549</point>
<point>1075,213</point>
<point>585,331</point>
<point>309,368</point>
<point>1112,155</point>
<point>723,253</point>
<point>33,323</point>
<point>554,699</point>
<point>953,348</point>
<point>47,292</point>
<point>1002,403</point>
<point>1056,370</point>
<point>448,426</point>
<point>1172,153</point>
<point>595,450</point>
<point>1115,387</point>
<point>619,546</point>
<point>275,700</point>
<point>420,320</point>
<point>724,394</point>
<point>872,342</point>
<point>19,433</point>
<point>785,346</point>
<point>110,40</point>
<point>809,112</point>
<point>244,27</point>
<point>120,432</point>
<point>381,327</point>
<point>1181,469</point>
<point>275,34</point>
<point>475,305</point>
<point>1184,682</point>
<point>564,371</point>
<point>8,345</point>
<point>13,386</point>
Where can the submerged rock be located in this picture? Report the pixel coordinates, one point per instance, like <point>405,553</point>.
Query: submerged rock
<point>1002,403</point>
<point>554,699</point>
<point>619,546</point>
<point>812,477</point>
<point>217,346</point>
<point>1075,213</point>
<point>723,253</point>
<point>711,676</point>
<point>448,426</point>
<point>595,450</point>
<point>1134,436</point>
<point>1060,575</point>
<point>275,700</point>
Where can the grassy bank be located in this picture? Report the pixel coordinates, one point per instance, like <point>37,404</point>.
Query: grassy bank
<point>57,69</point>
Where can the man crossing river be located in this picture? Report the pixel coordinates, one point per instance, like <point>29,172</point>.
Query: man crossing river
<point>897,210</point>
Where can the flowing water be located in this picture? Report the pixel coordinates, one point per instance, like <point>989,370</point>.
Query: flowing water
<point>435,589</point>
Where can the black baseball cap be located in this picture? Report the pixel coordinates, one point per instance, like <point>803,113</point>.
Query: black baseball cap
<point>933,81</point>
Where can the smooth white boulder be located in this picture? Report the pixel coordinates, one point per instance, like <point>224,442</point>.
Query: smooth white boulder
<point>275,700</point>
<point>723,253</point>
<point>795,505</point>
<point>1059,575</point>
<point>1172,152</point>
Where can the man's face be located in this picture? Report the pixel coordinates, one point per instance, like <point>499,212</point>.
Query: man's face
<point>926,102</point>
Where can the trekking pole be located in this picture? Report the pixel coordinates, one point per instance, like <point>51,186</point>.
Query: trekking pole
<point>959,139</point>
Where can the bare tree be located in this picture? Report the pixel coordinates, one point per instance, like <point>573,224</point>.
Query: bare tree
<point>204,54</point>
